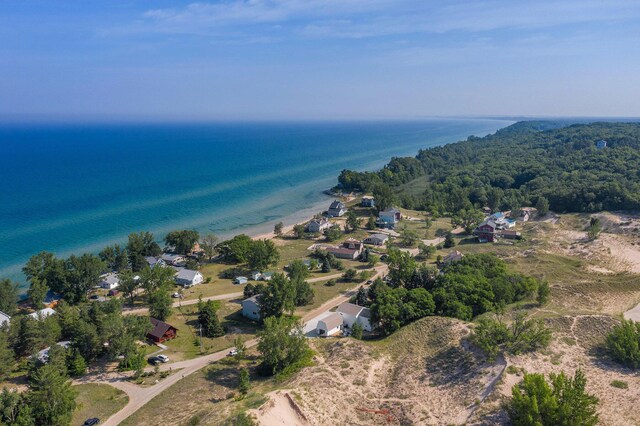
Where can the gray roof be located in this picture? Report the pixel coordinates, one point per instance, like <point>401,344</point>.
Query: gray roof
<point>253,299</point>
<point>4,318</point>
<point>378,236</point>
<point>337,205</point>
<point>366,313</point>
<point>186,274</point>
<point>350,309</point>
<point>110,278</point>
<point>332,321</point>
<point>390,210</point>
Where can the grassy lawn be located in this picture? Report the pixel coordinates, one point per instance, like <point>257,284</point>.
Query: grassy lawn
<point>185,320</point>
<point>205,397</point>
<point>97,400</point>
<point>323,293</point>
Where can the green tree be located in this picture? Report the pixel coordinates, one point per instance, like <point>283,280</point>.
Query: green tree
<point>160,303</point>
<point>373,260</point>
<point>333,233</point>
<point>76,365</point>
<point>371,223</point>
<point>240,347</point>
<point>244,385</point>
<point>544,292</point>
<point>402,266</point>
<point>37,291</point>
<point>263,254</point>
<point>352,222</point>
<point>467,219</point>
<point>623,343</point>
<point>277,297</point>
<point>237,249</point>
<point>83,274</point>
<point>449,241</point>
<point>282,344</point>
<point>349,275</point>
<point>47,269</point>
<point>593,231</point>
<point>384,196</point>
<point>408,237</point>
<point>182,241</point>
<point>128,284</point>
<point>209,244</point>
<point>299,231</point>
<point>542,206</point>
<point>277,229</point>
<point>356,330</point>
<point>51,396</point>
<point>8,296</point>
<point>139,245</point>
<point>534,402</point>
<point>361,298</point>
<point>208,320</point>
<point>7,358</point>
<point>115,257</point>
<point>152,279</point>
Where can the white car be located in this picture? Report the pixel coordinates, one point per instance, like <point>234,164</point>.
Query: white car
<point>176,295</point>
<point>233,352</point>
<point>163,358</point>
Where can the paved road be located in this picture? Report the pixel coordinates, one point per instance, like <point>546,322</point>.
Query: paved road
<point>141,311</point>
<point>139,396</point>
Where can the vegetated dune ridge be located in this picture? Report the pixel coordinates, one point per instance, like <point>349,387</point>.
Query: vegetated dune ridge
<point>428,374</point>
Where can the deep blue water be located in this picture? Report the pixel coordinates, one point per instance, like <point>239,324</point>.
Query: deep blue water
<point>75,188</point>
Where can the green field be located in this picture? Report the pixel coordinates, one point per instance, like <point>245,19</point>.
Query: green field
<point>97,400</point>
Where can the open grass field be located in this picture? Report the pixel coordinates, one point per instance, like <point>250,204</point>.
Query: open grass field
<point>97,400</point>
<point>185,319</point>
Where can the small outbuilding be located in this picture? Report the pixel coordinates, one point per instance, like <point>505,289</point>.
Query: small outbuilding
<point>42,313</point>
<point>251,308</point>
<point>376,239</point>
<point>240,280</point>
<point>368,201</point>
<point>330,325</point>
<point>161,331</point>
<point>109,281</point>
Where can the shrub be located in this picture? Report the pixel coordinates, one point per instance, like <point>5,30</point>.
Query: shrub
<point>620,384</point>
<point>623,343</point>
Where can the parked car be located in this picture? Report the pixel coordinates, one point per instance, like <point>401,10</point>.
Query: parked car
<point>232,352</point>
<point>91,422</point>
<point>163,358</point>
<point>113,293</point>
<point>154,360</point>
<point>176,295</point>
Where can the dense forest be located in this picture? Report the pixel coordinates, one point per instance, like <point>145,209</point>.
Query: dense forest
<point>516,167</point>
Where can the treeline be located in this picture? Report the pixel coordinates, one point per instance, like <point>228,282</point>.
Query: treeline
<point>476,284</point>
<point>522,165</point>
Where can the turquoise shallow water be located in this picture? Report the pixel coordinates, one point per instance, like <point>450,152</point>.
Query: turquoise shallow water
<point>75,188</point>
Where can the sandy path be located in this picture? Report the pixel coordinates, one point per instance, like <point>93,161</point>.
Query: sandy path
<point>141,311</point>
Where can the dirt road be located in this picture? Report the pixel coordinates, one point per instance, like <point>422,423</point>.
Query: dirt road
<point>139,396</point>
<point>142,311</point>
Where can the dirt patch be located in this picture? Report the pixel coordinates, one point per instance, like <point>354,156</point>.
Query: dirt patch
<point>280,410</point>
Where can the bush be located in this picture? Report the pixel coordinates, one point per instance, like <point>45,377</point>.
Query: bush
<point>620,384</point>
<point>330,283</point>
<point>349,275</point>
<point>565,402</point>
<point>623,343</point>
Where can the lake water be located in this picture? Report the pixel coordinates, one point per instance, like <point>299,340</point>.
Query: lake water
<point>75,188</point>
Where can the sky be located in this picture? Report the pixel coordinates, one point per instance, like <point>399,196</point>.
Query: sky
<point>318,59</point>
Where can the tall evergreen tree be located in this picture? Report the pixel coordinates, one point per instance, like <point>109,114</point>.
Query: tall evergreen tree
<point>208,319</point>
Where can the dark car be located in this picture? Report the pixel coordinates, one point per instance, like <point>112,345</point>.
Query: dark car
<point>91,422</point>
<point>154,360</point>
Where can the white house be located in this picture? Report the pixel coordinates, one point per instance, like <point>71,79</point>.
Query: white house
<point>109,281</point>
<point>189,277</point>
<point>601,144</point>
<point>389,217</point>
<point>353,313</point>
<point>368,201</point>
<point>43,355</point>
<point>250,308</point>
<point>4,318</point>
<point>255,275</point>
<point>240,280</point>
<point>266,276</point>
<point>376,239</point>
<point>330,325</point>
<point>336,209</point>
<point>42,313</point>
<point>318,225</point>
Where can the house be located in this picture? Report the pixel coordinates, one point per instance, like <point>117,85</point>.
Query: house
<point>601,144</point>
<point>161,331</point>
<point>350,249</point>
<point>485,231</point>
<point>255,275</point>
<point>337,209</point>
<point>266,276</point>
<point>510,234</point>
<point>42,313</point>
<point>109,281</point>
<point>389,218</point>
<point>251,308</point>
<point>4,318</point>
<point>368,201</point>
<point>240,280</point>
<point>353,313</point>
<point>173,259</point>
<point>153,261</point>
<point>43,355</point>
<point>330,325</point>
<point>189,277</point>
<point>376,239</point>
<point>454,256</point>
<point>51,299</point>
<point>318,225</point>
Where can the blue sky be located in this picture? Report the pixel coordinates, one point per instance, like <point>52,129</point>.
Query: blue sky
<point>319,58</point>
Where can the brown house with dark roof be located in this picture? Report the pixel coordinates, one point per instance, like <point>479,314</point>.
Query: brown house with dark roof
<point>161,331</point>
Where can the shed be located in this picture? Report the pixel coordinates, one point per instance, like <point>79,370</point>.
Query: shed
<point>109,281</point>
<point>251,308</point>
<point>161,331</point>
<point>240,280</point>
<point>189,277</point>
<point>376,239</point>
<point>330,325</point>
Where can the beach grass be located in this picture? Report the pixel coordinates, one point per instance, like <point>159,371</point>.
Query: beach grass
<point>97,400</point>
